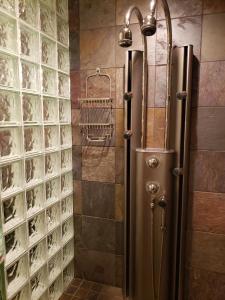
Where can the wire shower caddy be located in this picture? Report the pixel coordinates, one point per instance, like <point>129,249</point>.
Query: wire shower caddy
<point>96,114</point>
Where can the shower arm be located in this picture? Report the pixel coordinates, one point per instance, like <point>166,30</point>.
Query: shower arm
<point>169,65</point>
<point>131,10</point>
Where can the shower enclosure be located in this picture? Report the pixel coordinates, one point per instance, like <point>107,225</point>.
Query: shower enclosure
<point>155,179</point>
<point>35,149</point>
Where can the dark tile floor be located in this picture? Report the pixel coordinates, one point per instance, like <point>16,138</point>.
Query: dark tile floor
<point>81,289</point>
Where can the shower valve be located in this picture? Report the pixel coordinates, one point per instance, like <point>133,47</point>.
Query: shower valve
<point>152,187</point>
<point>127,134</point>
<point>152,162</point>
<point>127,96</point>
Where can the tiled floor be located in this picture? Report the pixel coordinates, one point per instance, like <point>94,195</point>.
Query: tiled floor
<point>81,289</point>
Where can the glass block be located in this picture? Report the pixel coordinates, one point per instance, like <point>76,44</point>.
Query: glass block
<point>65,111</point>
<point>34,170</point>
<point>50,110</point>
<point>30,76</point>
<point>62,8</point>
<point>52,164</point>
<point>44,296</point>
<point>51,137</point>
<point>9,112</point>
<point>68,275</point>
<point>65,136</point>
<point>12,178</point>
<point>52,190</point>
<point>28,11</point>
<point>63,59</point>
<point>8,33</point>
<point>17,275</point>
<point>35,200</point>
<point>68,252</point>
<point>67,230</point>
<point>54,241</point>
<point>56,289</point>
<point>23,294</point>
<point>36,228</point>
<point>15,243</point>
<point>10,146</point>
<point>47,16</point>
<point>63,85</point>
<point>48,52</point>
<point>8,71</point>
<point>8,5</point>
<point>66,160</point>
<point>31,109</point>
<point>48,81</point>
<point>66,183</point>
<point>53,216</point>
<point>37,256</point>
<point>62,31</point>
<point>29,43</point>
<point>55,266</point>
<point>67,207</point>
<point>33,139</point>
<point>38,283</point>
<point>13,210</point>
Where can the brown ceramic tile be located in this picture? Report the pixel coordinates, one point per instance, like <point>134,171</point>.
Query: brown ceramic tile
<point>92,295</point>
<point>82,293</point>
<point>204,285</point>
<point>96,266</point>
<point>112,291</point>
<point>98,199</point>
<point>160,86</point>
<point>75,126</point>
<point>119,248</point>
<point>99,234</point>
<point>213,43</point>
<point>97,48</point>
<point>74,49</point>
<point>77,197</point>
<point>215,6</point>
<point>207,171</point>
<point>207,251</point>
<point>159,127</point>
<point>75,88</point>
<point>208,210</point>
<point>212,88</point>
<point>71,290</point>
<point>184,8</point>
<point>98,164</point>
<point>151,86</point>
<point>119,87</point>
<point>77,281</point>
<point>119,202</point>
<point>207,132</point>
<point>119,127</point>
<point>66,297</point>
<point>96,14</point>
<point>185,31</point>
<point>119,271</point>
<point>77,157</point>
<point>123,5</point>
<point>119,176</point>
<point>150,127</point>
<point>78,234</point>
<point>74,19</point>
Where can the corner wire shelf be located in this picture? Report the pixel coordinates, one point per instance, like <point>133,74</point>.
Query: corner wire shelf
<point>95,109</point>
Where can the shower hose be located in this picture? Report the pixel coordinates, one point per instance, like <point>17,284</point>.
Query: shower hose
<point>163,229</point>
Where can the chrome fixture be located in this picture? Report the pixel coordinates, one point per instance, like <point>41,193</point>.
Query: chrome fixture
<point>125,40</point>
<point>152,162</point>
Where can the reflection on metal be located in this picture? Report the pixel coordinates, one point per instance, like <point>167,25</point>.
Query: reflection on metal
<point>179,141</point>
<point>153,225</point>
<point>132,141</point>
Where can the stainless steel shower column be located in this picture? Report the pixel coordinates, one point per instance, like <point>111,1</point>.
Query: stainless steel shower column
<point>132,140</point>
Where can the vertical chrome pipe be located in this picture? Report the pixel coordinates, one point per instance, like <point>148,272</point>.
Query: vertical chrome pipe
<point>145,71</point>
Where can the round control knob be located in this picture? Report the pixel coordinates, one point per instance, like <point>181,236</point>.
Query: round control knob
<point>152,162</point>
<point>162,202</point>
<point>152,187</point>
<point>127,134</point>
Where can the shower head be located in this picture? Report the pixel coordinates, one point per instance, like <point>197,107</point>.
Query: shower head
<point>148,27</point>
<point>125,37</point>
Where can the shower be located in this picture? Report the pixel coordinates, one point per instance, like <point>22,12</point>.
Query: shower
<point>155,179</point>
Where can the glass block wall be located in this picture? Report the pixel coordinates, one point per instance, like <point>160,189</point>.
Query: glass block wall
<point>35,148</point>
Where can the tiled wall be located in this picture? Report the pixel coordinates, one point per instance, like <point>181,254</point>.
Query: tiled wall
<point>36,187</point>
<point>99,215</point>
